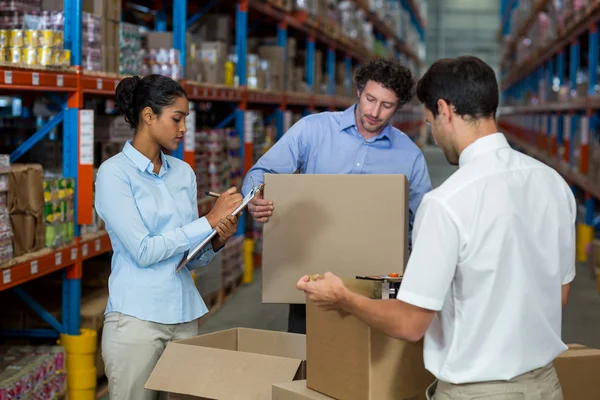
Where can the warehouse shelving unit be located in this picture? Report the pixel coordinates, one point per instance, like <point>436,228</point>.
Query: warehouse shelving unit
<point>76,84</point>
<point>548,109</point>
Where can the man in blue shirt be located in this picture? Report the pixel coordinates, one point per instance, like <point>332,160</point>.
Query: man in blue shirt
<point>359,140</point>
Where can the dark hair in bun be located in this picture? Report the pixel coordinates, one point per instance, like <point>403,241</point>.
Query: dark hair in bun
<point>154,91</point>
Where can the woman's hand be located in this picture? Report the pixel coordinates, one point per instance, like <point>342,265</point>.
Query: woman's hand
<point>224,206</point>
<point>225,230</point>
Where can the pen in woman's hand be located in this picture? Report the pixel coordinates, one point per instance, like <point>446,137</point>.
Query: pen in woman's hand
<point>213,194</point>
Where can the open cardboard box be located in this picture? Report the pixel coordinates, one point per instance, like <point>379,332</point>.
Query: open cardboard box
<point>349,360</point>
<point>320,224</point>
<point>578,371</point>
<point>296,390</point>
<point>231,364</point>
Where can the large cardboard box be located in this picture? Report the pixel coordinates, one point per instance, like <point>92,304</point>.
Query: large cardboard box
<point>578,371</point>
<point>377,367</point>
<point>26,207</point>
<point>232,364</point>
<point>326,223</point>
<point>296,390</point>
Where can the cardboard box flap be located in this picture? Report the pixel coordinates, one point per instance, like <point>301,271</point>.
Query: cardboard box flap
<point>272,343</point>
<point>225,340</point>
<point>219,374</point>
<point>296,390</point>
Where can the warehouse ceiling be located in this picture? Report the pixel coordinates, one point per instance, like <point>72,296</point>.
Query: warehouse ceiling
<point>459,27</point>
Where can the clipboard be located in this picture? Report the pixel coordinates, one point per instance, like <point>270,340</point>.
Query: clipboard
<point>192,253</point>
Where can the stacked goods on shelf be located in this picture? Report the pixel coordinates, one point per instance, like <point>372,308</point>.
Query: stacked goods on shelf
<point>233,260</point>
<point>162,61</point>
<point>59,196</point>
<point>234,144</point>
<point>130,43</point>
<point>212,162</point>
<point>100,32</point>
<point>26,207</point>
<point>50,20</point>
<point>160,57</point>
<point>32,373</point>
<point>32,39</point>
<point>6,236</point>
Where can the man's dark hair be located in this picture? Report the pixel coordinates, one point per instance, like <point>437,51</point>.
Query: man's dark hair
<point>466,83</point>
<point>389,73</point>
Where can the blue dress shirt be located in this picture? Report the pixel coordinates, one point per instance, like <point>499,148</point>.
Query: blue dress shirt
<point>152,220</point>
<point>329,143</point>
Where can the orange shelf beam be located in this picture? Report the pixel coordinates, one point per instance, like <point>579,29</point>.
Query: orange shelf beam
<point>37,80</point>
<point>31,266</point>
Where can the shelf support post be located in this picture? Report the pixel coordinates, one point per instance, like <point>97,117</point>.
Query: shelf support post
<point>282,37</point>
<point>594,49</point>
<point>246,149</point>
<point>82,174</point>
<point>179,43</point>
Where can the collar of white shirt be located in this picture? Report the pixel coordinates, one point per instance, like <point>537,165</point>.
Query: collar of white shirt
<point>482,145</point>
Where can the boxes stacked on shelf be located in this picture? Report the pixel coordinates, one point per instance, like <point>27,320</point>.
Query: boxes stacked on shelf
<point>59,196</point>
<point>26,207</point>
<point>32,39</point>
<point>233,260</point>
<point>130,43</point>
<point>234,145</point>
<point>6,236</point>
<point>212,162</point>
<point>160,57</point>
<point>32,372</point>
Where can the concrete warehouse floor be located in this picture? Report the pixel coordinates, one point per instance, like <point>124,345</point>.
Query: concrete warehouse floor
<point>581,322</point>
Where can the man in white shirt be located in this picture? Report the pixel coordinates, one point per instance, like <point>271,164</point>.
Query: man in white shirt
<point>493,254</point>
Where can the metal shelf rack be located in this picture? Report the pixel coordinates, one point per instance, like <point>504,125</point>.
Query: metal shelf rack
<point>547,112</point>
<point>76,84</point>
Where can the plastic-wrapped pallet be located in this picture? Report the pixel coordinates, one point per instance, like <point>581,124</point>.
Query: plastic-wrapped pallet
<point>59,206</point>
<point>130,43</point>
<point>233,260</point>
<point>32,373</point>
<point>6,236</point>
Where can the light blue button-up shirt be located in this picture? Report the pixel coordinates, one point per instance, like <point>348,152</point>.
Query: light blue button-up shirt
<point>152,220</point>
<point>329,143</point>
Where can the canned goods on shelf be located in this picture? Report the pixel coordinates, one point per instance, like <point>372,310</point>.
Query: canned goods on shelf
<point>58,39</point>
<point>29,56</point>
<point>15,38</point>
<point>4,35</point>
<point>3,55</point>
<point>46,38</point>
<point>45,56</point>
<point>14,55</point>
<point>32,38</point>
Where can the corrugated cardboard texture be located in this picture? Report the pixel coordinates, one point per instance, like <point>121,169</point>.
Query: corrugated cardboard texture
<point>329,223</point>
<point>231,364</point>
<point>578,371</point>
<point>378,367</point>
<point>296,390</point>
<point>26,207</point>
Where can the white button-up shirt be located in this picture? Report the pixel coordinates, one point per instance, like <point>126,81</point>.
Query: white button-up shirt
<point>492,247</point>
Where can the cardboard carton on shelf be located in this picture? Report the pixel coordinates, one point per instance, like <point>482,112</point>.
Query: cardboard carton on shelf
<point>26,207</point>
<point>230,364</point>
<point>320,224</point>
<point>379,367</point>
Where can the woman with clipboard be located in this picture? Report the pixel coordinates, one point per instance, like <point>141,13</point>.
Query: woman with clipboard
<point>148,201</point>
